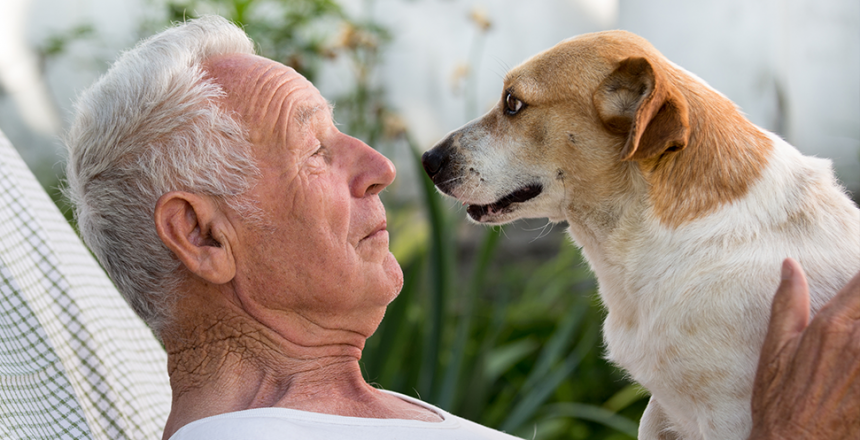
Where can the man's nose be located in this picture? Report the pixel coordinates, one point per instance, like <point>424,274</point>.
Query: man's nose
<point>374,171</point>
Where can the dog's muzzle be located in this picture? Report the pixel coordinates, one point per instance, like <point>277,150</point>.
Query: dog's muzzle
<point>444,169</point>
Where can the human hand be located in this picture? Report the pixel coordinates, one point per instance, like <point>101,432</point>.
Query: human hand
<point>808,380</point>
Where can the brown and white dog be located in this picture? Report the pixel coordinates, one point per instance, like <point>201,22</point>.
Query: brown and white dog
<point>683,208</point>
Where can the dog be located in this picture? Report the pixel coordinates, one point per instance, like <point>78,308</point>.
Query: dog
<point>683,209</point>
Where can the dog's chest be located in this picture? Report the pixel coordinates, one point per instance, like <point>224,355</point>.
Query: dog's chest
<point>686,315</point>
<point>688,309</point>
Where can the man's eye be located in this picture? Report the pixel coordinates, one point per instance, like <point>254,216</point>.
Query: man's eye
<point>512,104</point>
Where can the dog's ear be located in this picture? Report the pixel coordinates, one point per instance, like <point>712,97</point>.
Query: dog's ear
<point>642,103</point>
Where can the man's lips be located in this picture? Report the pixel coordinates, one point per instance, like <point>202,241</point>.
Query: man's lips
<point>380,229</point>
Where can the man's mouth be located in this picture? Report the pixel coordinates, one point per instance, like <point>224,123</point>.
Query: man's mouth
<point>500,206</point>
<point>380,228</point>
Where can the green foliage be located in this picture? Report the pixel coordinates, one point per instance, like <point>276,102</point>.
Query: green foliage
<point>291,32</point>
<point>56,43</point>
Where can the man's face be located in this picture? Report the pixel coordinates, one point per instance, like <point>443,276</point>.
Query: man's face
<point>322,251</point>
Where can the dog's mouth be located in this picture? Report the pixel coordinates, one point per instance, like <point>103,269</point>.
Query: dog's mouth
<point>503,205</point>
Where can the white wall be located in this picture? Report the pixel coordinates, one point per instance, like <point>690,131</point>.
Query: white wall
<point>32,22</point>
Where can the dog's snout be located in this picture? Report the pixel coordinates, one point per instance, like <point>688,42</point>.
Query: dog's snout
<point>433,161</point>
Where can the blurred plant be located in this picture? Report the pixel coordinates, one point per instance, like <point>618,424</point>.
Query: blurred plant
<point>481,19</point>
<point>57,43</point>
<point>294,32</point>
<point>459,76</point>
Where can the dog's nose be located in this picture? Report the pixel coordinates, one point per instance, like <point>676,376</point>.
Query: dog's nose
<point>433,160</point>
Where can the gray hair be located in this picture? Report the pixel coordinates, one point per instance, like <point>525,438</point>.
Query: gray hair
<point>151,125</point>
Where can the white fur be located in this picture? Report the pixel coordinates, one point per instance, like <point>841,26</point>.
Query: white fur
<point>699,295</point>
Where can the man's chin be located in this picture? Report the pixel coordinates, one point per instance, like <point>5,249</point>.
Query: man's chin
<point>395,275</point>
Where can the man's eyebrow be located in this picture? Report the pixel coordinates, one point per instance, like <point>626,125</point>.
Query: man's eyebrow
<point>307,111</point>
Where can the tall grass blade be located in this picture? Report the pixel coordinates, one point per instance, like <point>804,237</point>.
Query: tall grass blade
<point>475,402</point>
<point>536,396</point>
<point>451,380</point>
<point>593,413</point>
<point>440,277</point>
<point>554,348</point>
<point>393,334</point>
<point>503,358</point>
<point>625,397</point>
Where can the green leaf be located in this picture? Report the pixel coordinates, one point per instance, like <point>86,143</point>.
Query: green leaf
<point>451,381</point>
<point>593,413</point>
<point>625,397</point>
<point>500,359</point>
<point>535,397</point>
<point>554,348</point>
<point>441,276</point>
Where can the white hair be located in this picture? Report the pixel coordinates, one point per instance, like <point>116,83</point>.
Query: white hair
<point>151,125</point>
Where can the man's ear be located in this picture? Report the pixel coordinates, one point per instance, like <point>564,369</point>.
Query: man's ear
<point>638,101</point>
<point>198,233</point>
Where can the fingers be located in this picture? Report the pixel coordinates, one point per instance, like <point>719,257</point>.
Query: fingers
<point>789,317</point>
<point>790,309</point>
<point>807,383</point>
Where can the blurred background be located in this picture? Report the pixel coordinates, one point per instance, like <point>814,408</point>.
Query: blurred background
<point>501,326</point>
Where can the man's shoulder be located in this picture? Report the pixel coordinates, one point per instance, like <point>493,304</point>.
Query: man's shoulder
<point>281,423</point>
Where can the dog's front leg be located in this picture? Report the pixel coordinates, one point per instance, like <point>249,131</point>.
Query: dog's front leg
<point>655,424</point>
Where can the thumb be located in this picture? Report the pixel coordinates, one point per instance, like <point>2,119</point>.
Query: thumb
<point>790,309</point>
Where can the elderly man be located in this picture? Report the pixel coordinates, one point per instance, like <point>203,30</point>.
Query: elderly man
<point>248,232</point>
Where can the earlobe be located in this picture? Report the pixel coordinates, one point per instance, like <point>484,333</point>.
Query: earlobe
<point>198,233</point>
<point>639,101</point>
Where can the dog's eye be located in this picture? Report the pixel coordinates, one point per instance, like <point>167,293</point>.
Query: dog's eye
<point>512,104</point>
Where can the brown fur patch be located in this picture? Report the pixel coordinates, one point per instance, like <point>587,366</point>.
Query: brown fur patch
<point>726,154</point>
<point>720,154</point>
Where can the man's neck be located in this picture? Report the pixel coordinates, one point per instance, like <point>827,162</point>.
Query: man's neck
<point>232,362</point>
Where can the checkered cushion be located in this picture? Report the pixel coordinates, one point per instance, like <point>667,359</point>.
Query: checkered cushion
<point>75,362</point>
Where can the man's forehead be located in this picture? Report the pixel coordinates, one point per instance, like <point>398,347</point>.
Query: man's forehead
<point>265,92</point>
<point>306,110</point>
<point>238,67</point>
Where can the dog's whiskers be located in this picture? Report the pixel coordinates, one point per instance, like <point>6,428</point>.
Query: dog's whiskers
<point>451,180</point>
<point>500,63</point>
<point>544,231</point>
<point>472,192</point>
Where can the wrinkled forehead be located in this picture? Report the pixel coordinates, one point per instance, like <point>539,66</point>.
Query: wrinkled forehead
<point>268,95</point>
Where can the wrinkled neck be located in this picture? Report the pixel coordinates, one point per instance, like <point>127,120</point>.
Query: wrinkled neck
<point>220,360</point>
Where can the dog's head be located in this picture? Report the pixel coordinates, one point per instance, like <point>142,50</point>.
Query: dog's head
<point>570,124</point>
